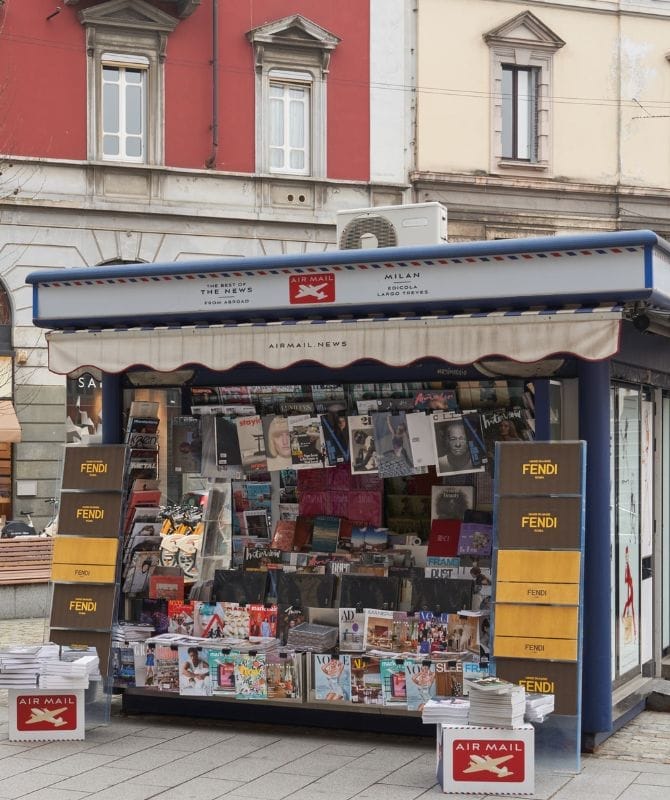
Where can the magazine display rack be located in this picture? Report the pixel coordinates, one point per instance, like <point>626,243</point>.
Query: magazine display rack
<point>364,510</point>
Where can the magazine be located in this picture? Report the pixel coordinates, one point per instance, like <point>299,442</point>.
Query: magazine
<point>186,445</point>
<point>420,433</point>
<point>251,677</point>
<point>332,678</point>
<point>262,620</point>
<point>277,442</point>
<point>393,444</point>
<point>194,671</point>
<point>451,502</point>
<point>227,442</point>
<point>308,450</point>
<point>379,629</point>
<point>475,539</point>
<point>352,636</point>
<point>325,534</point>
<point>452,439</point>
<point>180,617</point>
<point>394,691</point>
<point>222,672</point>
<point>235,620</point>
<point>419,683</point>
<point>362,445</point>
<point>252,444</point>
<point>283,675</point>
<point>208,620</point>
<point>336,435</point>
<point>366,681</point>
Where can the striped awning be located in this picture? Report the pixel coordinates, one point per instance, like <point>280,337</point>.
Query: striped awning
<point>521,336</point>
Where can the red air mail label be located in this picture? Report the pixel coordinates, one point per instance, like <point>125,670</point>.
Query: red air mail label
<point>494,760</point>
<point>311,289</point>
<point>46,712</point>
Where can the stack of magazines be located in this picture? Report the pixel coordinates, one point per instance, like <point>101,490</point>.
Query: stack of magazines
<point>538,706</point>
<point>69,674</point>
<point>312,638</point>
<point>496,703</point>
<point>20,666</point>
<point>447,711</point>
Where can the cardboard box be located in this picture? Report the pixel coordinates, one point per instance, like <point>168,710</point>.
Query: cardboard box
<point>476,760</point>
<point>42,715</point>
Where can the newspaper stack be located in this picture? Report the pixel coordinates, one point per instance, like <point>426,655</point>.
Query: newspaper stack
<point>496,703</point>
<point>69,674</point>
<point>127,632</point>
<point>447,710</point>
<point>312,638</point>
<point>538,706</point>
<point>20,666</point>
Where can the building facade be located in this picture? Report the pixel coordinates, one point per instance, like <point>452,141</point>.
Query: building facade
<point>176,130</point>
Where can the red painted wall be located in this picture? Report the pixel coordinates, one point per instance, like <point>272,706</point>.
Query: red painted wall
<point>42,81</point>
<point>43,91</point>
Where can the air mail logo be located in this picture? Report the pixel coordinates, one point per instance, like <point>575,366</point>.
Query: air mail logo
<point>304,289</point>
<point>90,513</point>
<point>46,712</point>
<point>494,760</point>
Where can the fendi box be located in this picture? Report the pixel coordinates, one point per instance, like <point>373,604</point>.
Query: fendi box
<point>476,760</point>
<point>41,715</point>
<point>89,560</point>
<point>96,467</point>
<point>85,606</point>
<point>90,513</point>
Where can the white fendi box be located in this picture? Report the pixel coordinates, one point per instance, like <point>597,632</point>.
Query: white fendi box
<point>476,760</point>
<point>41,715</point>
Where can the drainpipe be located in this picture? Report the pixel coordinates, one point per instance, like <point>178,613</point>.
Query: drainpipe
<point>211,161</point>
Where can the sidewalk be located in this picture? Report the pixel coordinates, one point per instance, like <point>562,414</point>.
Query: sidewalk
<point>143,757</point>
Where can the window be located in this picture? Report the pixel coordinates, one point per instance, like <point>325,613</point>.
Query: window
<point>289,118</point>
<point>522,51</point>
<point>126,42</point>
<point>292,58</point>
<point>519,112</point>
<point>123,113</point>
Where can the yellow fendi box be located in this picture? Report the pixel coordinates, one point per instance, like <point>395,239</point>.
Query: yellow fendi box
<point>84,560</point>
<point>565,594</point>
<point>540,649</point>
<point>539,566</point>
<point>551,622</point>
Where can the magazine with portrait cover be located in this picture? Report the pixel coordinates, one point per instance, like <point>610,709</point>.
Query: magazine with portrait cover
<point>394,451</point>
<point>222,672</point>
<point>352,629</point>
<point>208,619</point>
<point>308,450</point>
<point>277,442</point>
<point>262,620</point>
<point>504,425</point>
<point>362,446</point>
<point>289,616</point>
<point>251,677</point>
<point>455,444</point>
<point>284,675</point>
<point>194,671</point>
<point>451,502</point>
<point>332,678</point>
<point>335,425</point>
<point>419,683</point>
<point>366,681</point>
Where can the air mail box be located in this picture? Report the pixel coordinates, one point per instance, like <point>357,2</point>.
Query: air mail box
<point>41,715</point>
<point>490,761</point>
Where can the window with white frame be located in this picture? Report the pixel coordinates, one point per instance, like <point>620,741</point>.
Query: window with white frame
<point>289,123</point>
<point>123,110</point>
<point>519,112</point>
<point>522,51</point>
<point>292,57</point>
<point>126,45</point>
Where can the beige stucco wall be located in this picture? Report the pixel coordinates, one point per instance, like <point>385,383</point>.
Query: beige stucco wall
<point>594,136</point>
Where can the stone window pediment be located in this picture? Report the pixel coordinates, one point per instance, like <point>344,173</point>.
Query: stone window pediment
<point>524,30</point>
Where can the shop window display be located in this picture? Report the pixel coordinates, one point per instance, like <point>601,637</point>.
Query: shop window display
<point>362,509</point>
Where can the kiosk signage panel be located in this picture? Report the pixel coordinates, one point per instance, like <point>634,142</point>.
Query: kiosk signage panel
<point>90,513</point>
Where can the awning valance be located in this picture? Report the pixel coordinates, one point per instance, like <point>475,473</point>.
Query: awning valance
<point>10,429</point>
<point>459,339</point>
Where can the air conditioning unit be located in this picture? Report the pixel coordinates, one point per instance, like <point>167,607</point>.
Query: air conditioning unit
<point>392,226</point>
